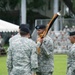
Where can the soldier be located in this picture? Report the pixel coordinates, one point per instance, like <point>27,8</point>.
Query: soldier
<point>71,55</point>
<point>22,54</point>
<point>17,35</point>
<point>1,41</point>
<point>46,55</point>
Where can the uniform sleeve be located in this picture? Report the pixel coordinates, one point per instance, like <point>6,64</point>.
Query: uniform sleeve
<point>9,60</point>
<point>34,59</point>
<point>48,46</point>
<point>72,53</point>
<point>9,41</point>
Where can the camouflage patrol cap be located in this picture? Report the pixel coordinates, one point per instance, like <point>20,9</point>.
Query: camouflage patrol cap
<point>24,27</point>
<point>72,33</point>
<point>40,27</point>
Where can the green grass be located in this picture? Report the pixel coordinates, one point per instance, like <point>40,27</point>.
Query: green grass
<point>59,65</point>
<point>3,68</point>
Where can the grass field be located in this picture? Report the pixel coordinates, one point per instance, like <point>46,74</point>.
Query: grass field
<point>3,68</point>
<point>59,65</point>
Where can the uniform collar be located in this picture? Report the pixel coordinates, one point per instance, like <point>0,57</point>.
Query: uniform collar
<point>73,45</point>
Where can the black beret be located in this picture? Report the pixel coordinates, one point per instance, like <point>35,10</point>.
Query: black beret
<point>71,33</point>
<point>40,27</point>
<point>24,27</point>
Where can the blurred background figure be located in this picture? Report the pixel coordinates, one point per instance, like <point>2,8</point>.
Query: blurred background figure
<point>2,50</point>
<point>1,41</point>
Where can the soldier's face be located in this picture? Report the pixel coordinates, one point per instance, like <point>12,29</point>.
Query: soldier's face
<point>72,39</point>
<point>40,31</point>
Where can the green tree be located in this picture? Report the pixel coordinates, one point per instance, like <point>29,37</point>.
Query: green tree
<point>3,4</point>
<point>73,5</point>
<point>8,12</point>
<point>36,4</point>
<point>69,3</point>
<point>11,4</point>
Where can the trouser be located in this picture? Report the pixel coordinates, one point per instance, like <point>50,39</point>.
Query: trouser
<point>70,71</point>
<point>44,73</point>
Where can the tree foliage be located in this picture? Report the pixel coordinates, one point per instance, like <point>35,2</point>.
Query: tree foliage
<point>6,5</point>
<point>36,4</point>
<point>13,3</point>
<point>74,4</point>
<point>8,13</point>
<point>3,4</point>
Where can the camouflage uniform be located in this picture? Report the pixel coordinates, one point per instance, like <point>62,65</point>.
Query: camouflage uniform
<point>14,37</point>
<point>46,57</point>
<point>71,61</point>
<point>22,57</point>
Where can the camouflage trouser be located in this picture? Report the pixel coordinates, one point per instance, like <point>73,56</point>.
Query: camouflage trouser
<point>70,71</point>
<point>44,73</point>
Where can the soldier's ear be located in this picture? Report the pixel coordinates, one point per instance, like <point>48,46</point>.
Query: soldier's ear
<point>74,37</point>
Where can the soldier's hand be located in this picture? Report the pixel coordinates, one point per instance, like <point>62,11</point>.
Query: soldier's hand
<point>34,74</point>
<point>40,39</point>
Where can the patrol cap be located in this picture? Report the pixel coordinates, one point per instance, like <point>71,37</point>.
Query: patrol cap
<point>40,27</point>
<point>24,27</point>
<point>72,33</point>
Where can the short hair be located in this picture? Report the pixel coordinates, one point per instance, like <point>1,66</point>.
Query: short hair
<point>24,29</point>
<point>22,33</point>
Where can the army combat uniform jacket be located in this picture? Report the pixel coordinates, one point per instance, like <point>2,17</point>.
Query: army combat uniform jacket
<point>71,61</point>
<point>46,56</point>
<point>14,38</point>
<point>22,57</point>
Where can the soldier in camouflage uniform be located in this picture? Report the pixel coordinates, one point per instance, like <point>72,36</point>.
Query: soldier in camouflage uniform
<point>17,35</point>
<point>14,37</point>
<point>22,55</point>
<point>71,55</point>
<point>46,55</point>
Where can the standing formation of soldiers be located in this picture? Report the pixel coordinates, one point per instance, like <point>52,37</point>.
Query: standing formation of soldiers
<point>60,39</point>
